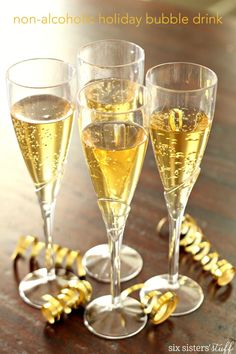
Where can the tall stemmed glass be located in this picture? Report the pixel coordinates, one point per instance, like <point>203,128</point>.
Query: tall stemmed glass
<point>101,60</point>
<point>114,144</point>
<point>41,104</point>
<point>182,104</point>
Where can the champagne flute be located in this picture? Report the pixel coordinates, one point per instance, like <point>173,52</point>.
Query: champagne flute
<point>182,104</point>
<point>114,144</point>
<point>41,94</point>
<point>110,58</point>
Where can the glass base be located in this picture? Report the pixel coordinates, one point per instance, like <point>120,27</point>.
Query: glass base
<point>102,319</point>
<point>190,294</point>
<point>97,263</point>
<point>38,283</point>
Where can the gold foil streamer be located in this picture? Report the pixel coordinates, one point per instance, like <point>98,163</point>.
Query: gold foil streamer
<point>52,309</point>
<point>195,243</point>
<point>159,306</point>
<point>77,294</point>
<point>175,119</point>
<point>23,244</point>
<point>63,255</point>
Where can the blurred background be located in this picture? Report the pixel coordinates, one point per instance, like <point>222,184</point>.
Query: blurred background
<point>223,7</point>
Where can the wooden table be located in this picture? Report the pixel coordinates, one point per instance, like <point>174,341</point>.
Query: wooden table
<point>78,221</point>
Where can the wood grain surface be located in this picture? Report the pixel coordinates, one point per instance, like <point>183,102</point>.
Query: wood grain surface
<point>78,223</point>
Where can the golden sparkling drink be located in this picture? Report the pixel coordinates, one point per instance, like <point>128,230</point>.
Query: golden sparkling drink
<point>109,96</point>
<point>114,152</point>
<point>179,137</point>
<point>43,125</point>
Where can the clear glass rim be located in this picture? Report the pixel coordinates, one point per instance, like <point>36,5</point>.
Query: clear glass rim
<point>145,104</point>
<point>148,81</point>
<point>142,57</point>
<point>63,82</point>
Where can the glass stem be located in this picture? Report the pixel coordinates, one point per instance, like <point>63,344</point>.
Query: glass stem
<point>176,201</point>
<point>48,217</point>
<point>174,237</point>
<point>115,245</point>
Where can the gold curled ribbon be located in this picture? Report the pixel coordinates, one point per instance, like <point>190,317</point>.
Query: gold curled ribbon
<point>63,255</point>
<point>23,244</point>
<point>52,309</point>
<point>161,223</point>
<point>195,243</point>
<point>158,305</point>
<point>78,293</point>
<point>175,119</point>
<point>84,288</point>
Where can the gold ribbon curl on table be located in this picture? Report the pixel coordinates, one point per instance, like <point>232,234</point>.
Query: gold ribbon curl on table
<point>78,293</point>
<point>159,306</point>
<point>194,242</point>
<point>63,255</point>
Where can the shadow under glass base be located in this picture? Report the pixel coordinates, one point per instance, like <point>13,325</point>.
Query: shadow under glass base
<point>102,319</point>
<point>38,283</point>
<point>97,263</point>
<point>189,292</point>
